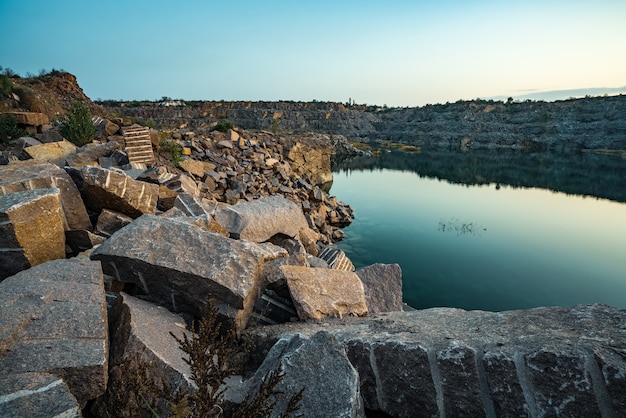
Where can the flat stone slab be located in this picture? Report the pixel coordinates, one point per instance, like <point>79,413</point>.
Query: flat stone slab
<point>180,265</point>
<point>319,292</point>
<point>51,151</point>
<point>36,395</point>
<point>443,361</point>
<point>54,320</point>
<point>33,175</point>
<point>31,230</point>
<point>261,219</point>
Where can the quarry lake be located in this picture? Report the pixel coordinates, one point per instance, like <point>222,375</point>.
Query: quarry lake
<point>468,241</point>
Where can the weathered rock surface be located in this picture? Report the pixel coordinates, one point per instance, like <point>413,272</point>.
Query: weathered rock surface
<point>383,287</point>
<point>51,151</point>
<point>317,293</point>
<point>319,365</point>
<point>261,219</point>
<point>313,160</point>
<point>36,395</point>
<point>107,189</point>
<point>31,230</point>
<point>33,175</point>
<point>179,266</point>
<point>54,320</point>
<point>140,332</point>
<point>443,361</point>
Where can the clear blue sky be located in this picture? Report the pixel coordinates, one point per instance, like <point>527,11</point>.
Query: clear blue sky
<point>399,53</point>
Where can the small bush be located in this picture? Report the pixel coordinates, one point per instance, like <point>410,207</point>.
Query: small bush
<point>224,126</point>
<point>173,148</point>
<point>6,86</point>
<point>8,128</point>
<point>78,128</point>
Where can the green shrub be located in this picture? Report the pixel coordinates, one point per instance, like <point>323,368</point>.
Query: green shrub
<point>78,128</point>
<point>224,126</point>
<point>173,148</point>
<point>8,128</point>
<point>6,86</point>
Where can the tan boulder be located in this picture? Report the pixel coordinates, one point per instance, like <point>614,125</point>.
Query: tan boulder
<point>31,230</point>
<point>32,175</point>
<point>317,293</point>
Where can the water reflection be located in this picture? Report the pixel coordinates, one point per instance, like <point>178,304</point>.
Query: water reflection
<point>498,241</point>
<point>585,174</point>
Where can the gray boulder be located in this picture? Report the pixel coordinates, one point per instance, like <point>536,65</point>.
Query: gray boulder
<point>383,287</point>
<point>318,365</point>
<point>443,361</point>
<point>36,395</point>
<point>54,320</point>
<point>140,332</point>
<point>33,175</point>
<point>31,230</point>
<point>179,266</point>
<point>108,189</point>
<point>261,219</point>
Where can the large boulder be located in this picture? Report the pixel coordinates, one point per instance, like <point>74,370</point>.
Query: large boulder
<point>537,362</point>
<point>383,287</point>
<point>319,292</point>
<point>143,354</point>
<point>32,175</point>
<point>318,365</point>
<point>36,395</point>
<point>31,230</point>
<point>108,189</point>
<point>261,219</point>
<point>179,266</point>
<point>54,320</point>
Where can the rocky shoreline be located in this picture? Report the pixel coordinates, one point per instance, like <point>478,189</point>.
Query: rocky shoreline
<point>103,259</point>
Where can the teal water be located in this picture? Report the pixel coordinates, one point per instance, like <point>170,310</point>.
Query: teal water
<point>485,246</point>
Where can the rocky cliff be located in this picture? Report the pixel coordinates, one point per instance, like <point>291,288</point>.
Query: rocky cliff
<point>570,125</point>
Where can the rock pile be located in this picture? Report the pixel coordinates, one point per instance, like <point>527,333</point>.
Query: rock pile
<point>246,225</point>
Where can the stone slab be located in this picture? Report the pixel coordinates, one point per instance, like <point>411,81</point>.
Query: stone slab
<point>317,293</point>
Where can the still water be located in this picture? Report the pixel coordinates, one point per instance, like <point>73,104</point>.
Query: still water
<point>485,246</point>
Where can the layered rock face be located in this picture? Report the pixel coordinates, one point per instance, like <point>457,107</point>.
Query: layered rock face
<point>589,123</point>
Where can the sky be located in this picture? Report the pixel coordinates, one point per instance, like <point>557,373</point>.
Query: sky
<point>392,52</point>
